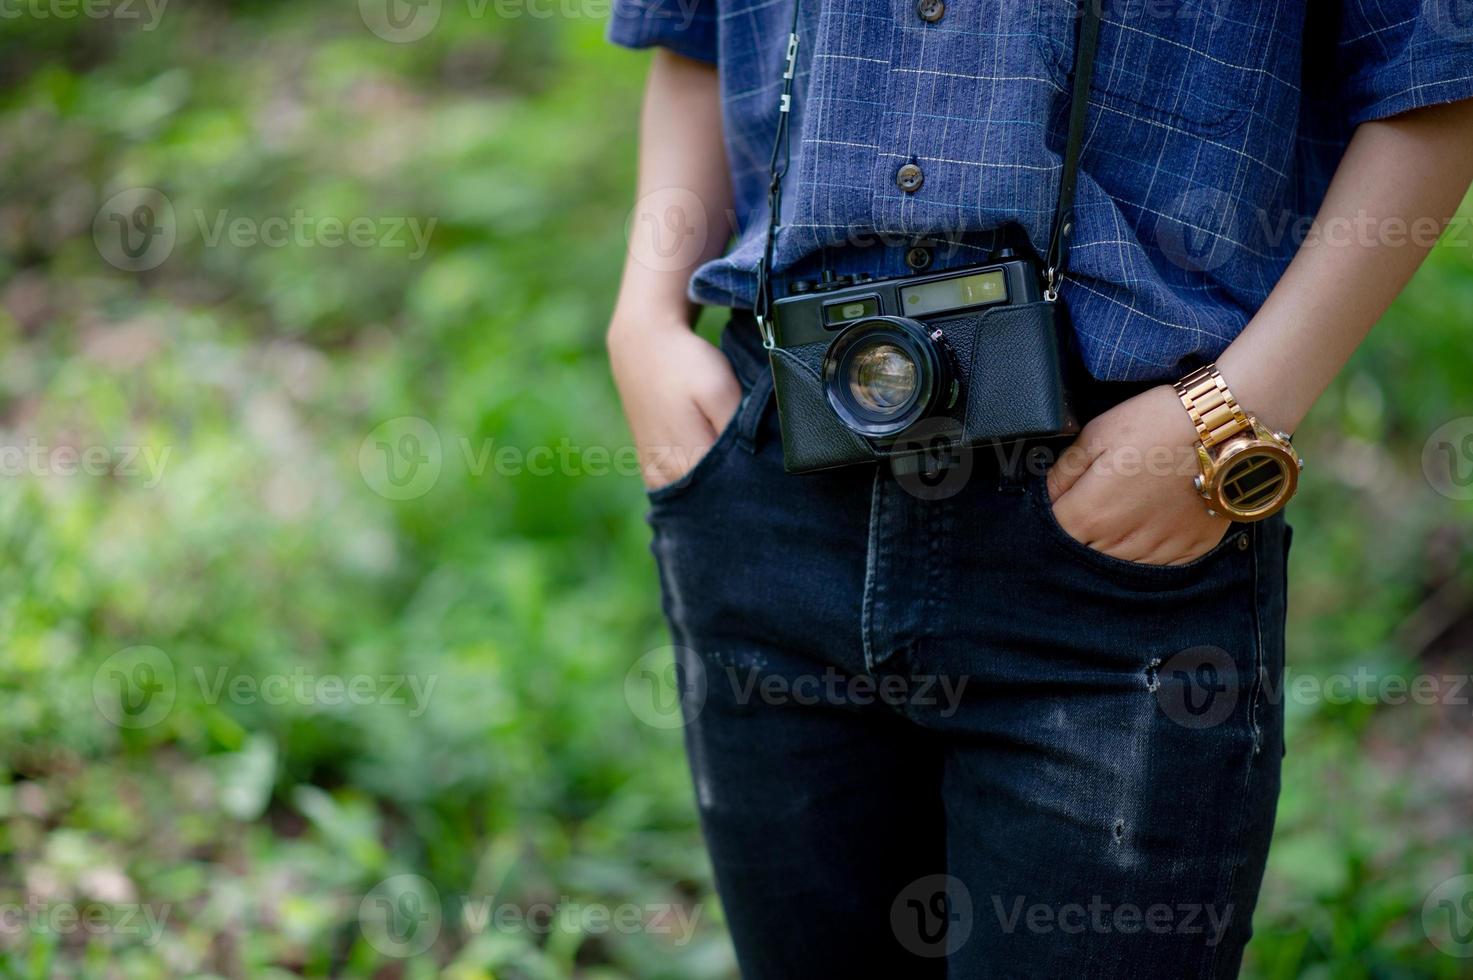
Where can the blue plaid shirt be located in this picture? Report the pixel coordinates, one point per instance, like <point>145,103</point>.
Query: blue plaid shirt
<point>1214,127</point>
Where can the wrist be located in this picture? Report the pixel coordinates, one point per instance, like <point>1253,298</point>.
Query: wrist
<point>1174,415</point>
<point>1264,389</point>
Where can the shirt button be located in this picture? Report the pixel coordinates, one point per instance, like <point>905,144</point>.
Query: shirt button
<point>930,11</point>
<point>918,258</point>
<point>909,178</point>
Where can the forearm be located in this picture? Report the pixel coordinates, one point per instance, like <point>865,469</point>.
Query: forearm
<point>683,198</point>
<point>1400,180</point>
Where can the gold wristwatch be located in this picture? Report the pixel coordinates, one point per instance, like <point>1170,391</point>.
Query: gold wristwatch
<point>1248,472</point>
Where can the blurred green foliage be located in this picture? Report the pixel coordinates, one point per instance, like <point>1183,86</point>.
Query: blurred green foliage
<point>256,546</point>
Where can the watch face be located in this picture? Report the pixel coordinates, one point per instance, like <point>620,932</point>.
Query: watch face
<point>1256,481</point>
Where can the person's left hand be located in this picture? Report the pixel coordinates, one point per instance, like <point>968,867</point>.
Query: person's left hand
<point>1124,487</point>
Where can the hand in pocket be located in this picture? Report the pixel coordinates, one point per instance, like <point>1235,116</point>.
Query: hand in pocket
<point>1124,488</point>
<point>679,393</point>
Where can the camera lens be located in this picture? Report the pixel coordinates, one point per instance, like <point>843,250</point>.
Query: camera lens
<point>883,374</point>
<point>882,378</point>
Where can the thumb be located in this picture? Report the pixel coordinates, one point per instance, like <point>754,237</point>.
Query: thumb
<point>1073,463</point>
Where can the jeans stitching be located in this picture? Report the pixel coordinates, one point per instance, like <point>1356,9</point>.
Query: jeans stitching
<point>1214,952</point>
<point>871,572</point>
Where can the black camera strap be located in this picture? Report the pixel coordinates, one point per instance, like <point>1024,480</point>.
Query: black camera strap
<point>1056,259</point>
<point>777,167</point>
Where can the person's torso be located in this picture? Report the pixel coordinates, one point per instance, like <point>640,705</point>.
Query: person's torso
<point>942,122</point>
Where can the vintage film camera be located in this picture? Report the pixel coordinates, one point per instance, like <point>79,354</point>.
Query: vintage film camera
<point>918,368</point>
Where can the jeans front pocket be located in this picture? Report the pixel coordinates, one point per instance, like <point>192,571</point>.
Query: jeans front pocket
<point>741,429</point>
<point>1235,544</point>
<point>708,461</point>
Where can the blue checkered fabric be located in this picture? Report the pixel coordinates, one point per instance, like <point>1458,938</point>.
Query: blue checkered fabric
<point>1214,128</point>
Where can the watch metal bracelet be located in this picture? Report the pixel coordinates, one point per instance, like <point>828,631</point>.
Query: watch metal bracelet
<point>1212,407</point>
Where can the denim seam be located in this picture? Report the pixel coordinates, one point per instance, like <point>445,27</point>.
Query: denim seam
<point>1257,541</point>
<point>1252,765</point>
<point>935,517</point>
<point>751,411</point>
<point>871,571</point>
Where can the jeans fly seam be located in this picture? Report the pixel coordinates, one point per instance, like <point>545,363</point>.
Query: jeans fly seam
<point>935,517</point>
<point>871,572</point>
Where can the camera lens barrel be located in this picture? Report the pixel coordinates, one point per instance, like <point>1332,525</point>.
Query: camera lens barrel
<point>884,374</point>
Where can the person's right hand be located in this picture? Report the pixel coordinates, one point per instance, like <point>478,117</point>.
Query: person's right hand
<point>678,391</point>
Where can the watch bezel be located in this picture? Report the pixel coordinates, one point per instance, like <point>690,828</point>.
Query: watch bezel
<point>1232,452</point>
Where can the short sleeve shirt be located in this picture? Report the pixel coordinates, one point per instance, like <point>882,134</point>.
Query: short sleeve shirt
<point>1214,127</point>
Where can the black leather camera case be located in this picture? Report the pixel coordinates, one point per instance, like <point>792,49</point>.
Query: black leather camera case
<point>1015,364</point>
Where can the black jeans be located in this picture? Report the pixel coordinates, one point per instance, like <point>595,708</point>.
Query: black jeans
<point>941,738</point>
